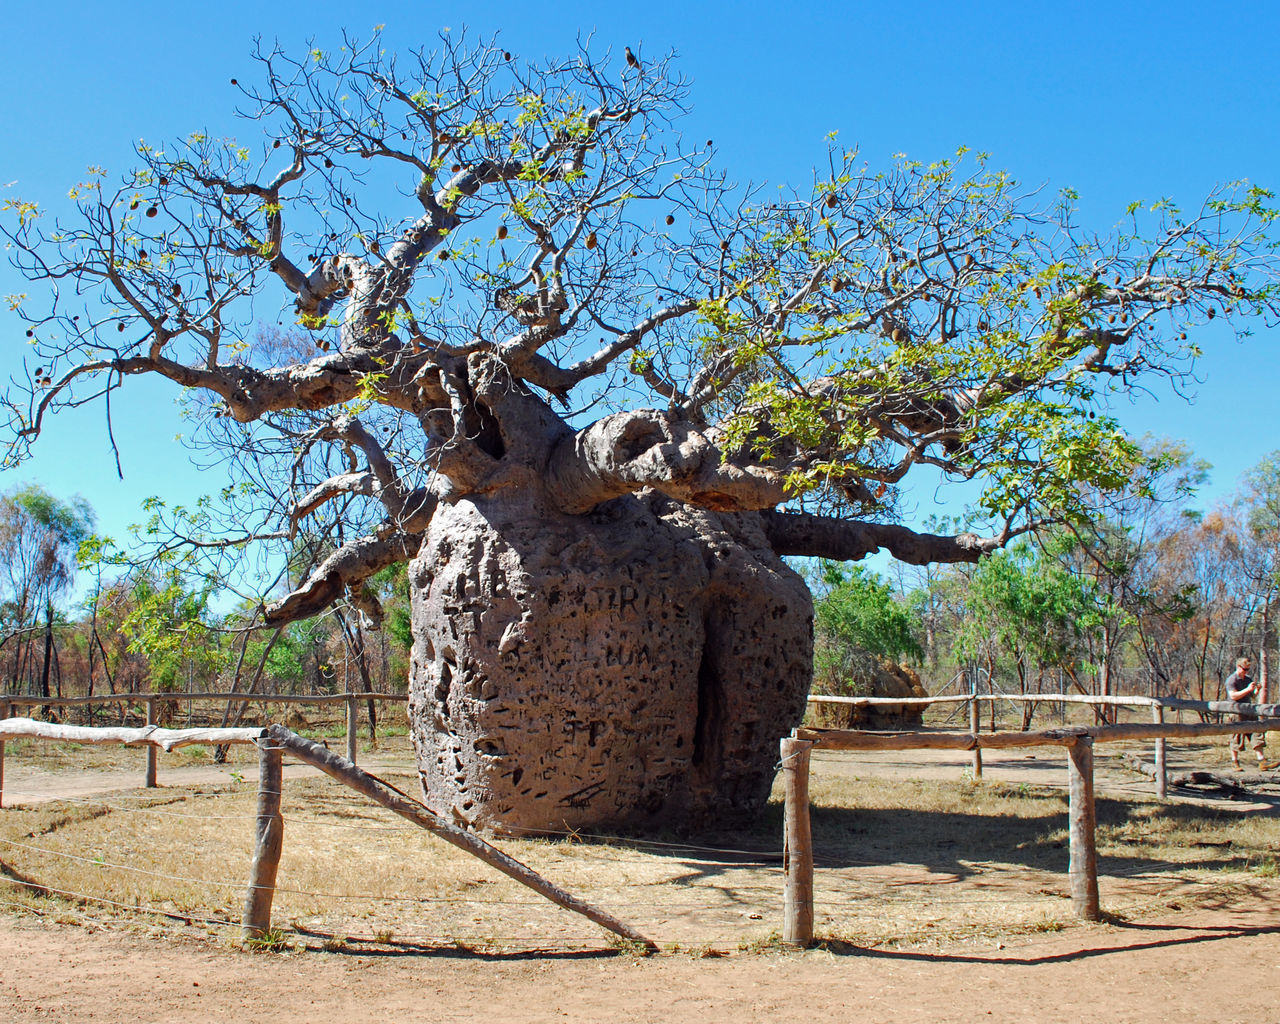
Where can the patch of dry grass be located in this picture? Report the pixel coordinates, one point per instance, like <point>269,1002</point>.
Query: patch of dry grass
<point>47,755</point>
<point>354,872</point>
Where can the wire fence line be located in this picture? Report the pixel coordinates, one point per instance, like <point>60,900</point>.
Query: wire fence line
<point>103,864</point>
<point>907,893</point>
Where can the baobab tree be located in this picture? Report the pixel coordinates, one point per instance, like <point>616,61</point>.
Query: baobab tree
<point>532,342</point>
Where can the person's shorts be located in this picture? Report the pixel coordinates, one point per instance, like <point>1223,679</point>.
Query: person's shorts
<point>1257,740</point>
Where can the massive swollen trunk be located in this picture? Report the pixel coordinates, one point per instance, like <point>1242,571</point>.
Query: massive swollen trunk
<point>632,666</point>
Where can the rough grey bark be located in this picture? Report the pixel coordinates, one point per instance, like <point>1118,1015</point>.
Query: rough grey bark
<point>631,666</point>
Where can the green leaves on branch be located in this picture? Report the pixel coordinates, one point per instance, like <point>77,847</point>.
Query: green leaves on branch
<point>933,314</point>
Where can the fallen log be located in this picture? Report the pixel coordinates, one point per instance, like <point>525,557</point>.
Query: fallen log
<point>1231,783</point>
<point>1245,780</point>
<point>1135,763</point>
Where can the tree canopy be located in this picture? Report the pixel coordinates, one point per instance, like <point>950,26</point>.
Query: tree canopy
<point>487,274</point>
<point>39,538</point>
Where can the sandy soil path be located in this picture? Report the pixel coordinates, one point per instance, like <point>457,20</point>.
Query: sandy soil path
<point>26,784</point>
<point>1156,973</point>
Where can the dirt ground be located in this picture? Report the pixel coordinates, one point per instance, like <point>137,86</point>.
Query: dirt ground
<point>1120,972</point>
<point>1161,971</point>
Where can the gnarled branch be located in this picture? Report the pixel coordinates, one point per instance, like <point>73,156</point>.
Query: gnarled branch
<point>346,569</point>
<point>799,533</point>
<point>629,451</point>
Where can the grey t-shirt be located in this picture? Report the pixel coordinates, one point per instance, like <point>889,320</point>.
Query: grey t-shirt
<point>1236,681</point>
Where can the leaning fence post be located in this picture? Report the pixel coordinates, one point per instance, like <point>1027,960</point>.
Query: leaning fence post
<point>150,782</point>
<point>269,840</point>
<point>797,845</point>
<point>353,724</point>
<point>1162,782</point>
<point>1083,864</point>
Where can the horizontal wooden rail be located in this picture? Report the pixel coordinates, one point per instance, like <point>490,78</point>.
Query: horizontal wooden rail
<point>149,735</point>
<point>1024,698</point>
<point>826,698</point>
<point>1172,703</point>
<point>854,739</point>
<point>151,700</point>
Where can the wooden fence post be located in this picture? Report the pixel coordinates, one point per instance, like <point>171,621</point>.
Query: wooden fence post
<point>1162,780</point>
<point>797,845</point>
<point>353,725</point>
<point>1083,864</point>
<point>150,782</point>
<point>973,728</point>
<point>269,840</point>
<point>4,713</point>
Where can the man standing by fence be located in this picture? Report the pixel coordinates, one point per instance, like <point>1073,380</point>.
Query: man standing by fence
<point>1241,687</point>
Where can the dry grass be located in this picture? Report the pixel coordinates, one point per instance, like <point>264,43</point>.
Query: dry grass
<point>900,862</point>
<point>353,872</point>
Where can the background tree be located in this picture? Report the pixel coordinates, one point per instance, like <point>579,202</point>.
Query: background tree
<point>1024,606</point>
<point>481,258</point>
<point>1260,554</point>
<point>39,538</point>
<point>1202,562</point>
<point>1115,555</point>
<point>857,621</point>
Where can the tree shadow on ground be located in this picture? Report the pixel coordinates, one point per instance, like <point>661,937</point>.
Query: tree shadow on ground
<point>1193,936</point>
<point>394,949</point>
<point>960,843</point>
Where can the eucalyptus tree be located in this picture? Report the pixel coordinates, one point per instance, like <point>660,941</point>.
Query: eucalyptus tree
<point>542,349</point>
<point>1025,609</point>
<point>1259,504</point>
<point>1120,554</point>
<point>39,538</point>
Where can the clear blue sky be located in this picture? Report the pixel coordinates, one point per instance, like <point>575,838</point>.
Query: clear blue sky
<point>1118,101</point>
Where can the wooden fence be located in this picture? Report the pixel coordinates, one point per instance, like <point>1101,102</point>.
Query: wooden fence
<point>1157,705</point>
<point>151,700</point>
<point>1079,742</point>
<point>272,743</point>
